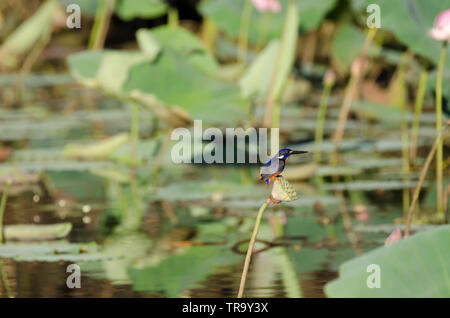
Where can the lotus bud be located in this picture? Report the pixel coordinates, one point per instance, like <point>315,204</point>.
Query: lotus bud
<point>9,179</point>
<point>282,191</point>
<point>358,66</point>
<point>267,5</point>
<point>329,78</point>
<point>362,214</point>
<point>395,236</point>
<point>441,27</point>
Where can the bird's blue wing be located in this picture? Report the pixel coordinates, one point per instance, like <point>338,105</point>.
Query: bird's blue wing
<point>269,162</point>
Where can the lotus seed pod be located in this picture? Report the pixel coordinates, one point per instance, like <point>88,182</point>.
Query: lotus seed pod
<point>282,191</point>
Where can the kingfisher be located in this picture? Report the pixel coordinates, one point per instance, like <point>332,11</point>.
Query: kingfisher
<point>275,166</point>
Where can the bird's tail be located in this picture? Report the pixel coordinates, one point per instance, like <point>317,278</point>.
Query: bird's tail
<point>265,178</point>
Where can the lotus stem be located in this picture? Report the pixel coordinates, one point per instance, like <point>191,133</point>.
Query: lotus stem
<point>276,114</point>
<point>172,17</point>
<point>404,128</point>
<point>243,31</point>
<point>30,60</point>
<point>356,197</point>
<point>310,49</point>
<point>263,28</point>
<point>318,137</point>
<point>269,118</point>
<point>209,34</point>
<point>3,205</point>
<point>273,103</point>
<point>248,257</point>
<point>101,24</point>
<point>33,56</point>
<point>345,109</point>
<point>347,220</point>
<point>417,112</point>
<point>134,134</point>
<point>440,146</point>
<point>160,156</point>
<point>4,279</point>
<point>356,73</point>
<point>136,218</point>
<point>421,179</point>
<point>321,114</point>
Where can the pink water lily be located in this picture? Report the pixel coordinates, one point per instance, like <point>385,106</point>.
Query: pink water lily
<point>441,27</point>
<point>267,5</point>
<point>395,236</point>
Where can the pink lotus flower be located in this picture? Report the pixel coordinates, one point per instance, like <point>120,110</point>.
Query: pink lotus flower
<point>441,28</point>
<point>267,5</point>
<point>395,236</point>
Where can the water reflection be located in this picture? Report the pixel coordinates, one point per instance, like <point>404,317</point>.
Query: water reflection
<point>189,257</point>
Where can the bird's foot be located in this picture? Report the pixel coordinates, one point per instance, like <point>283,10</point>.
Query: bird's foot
<point>275,178</point>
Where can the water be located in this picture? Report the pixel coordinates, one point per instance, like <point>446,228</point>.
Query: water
<point>160,260</point>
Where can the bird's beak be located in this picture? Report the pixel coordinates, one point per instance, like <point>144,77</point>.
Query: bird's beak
<point>297,152</point>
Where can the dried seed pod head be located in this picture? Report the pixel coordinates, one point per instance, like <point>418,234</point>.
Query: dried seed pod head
<point>329,78</point>
<point>441,27</point>
<point>282,191</point>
